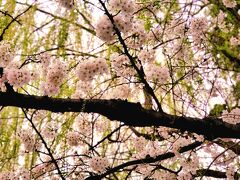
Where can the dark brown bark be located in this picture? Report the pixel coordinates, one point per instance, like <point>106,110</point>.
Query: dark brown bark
<point>132,114</point>
<point>214,173</point>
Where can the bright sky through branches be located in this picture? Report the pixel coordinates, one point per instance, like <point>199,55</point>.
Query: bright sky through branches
<point>119,89</point>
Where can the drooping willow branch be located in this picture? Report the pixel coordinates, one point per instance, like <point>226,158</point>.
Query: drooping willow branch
<point>12,21</point>
<point>62,19</point>
<point>132,114</point>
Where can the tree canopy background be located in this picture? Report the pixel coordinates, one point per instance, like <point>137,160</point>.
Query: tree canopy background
<point>119,89</point>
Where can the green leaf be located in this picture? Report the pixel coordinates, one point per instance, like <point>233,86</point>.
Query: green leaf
<point>217,110</point>
<point>236,90</point>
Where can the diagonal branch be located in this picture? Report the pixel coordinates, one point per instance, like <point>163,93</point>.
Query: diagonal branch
<point>45,145</point>
<point>234,146</point>
<point>12,21</point>
<point>139,71</point>
<point>146,160</point>
<point>132,114</point>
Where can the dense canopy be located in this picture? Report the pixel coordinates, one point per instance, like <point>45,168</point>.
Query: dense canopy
<point>119,89</point>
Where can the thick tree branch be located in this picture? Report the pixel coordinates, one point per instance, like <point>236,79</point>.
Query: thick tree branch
<point>132,114</point>
<point>213,173</point>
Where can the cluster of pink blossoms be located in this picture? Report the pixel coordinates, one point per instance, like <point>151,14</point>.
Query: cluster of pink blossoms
<point>144,147</point>
<point>231,172</point>
<point>233,117</point>
<point>82,125</point>
<point>104,27</point>
<point>68,4</point>
<point>140,143</point>
<point>8,176</point>
<point>12,73</point>
<point>87,70</point>
<point>229,3</point>
<point>125,6</point>
<point>197,27</point>
<point>189,165</point>
<point>6,55</point>
<point>105,30</point>
<point>140,37</point>
<point>49,131</point>
<point>121,65</point>
<point>125,22</point>
<point>83,89</point>
<point>41,169</point>
<point>146,56</point>
<point>73,138</point>
<point>144,169</point>
<point>54,73</point>
<point>160,175</point>
<point>120,92</point>
<point>99,164</point>
<point>157,73</point>
<point>234,41</point>
<point>21,173</point>
<point>17,77</point>
<point>28,140</point>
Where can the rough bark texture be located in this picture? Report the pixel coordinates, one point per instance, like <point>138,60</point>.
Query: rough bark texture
<point>132,114</point>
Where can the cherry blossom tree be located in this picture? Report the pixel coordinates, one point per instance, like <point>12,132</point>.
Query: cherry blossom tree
<point>119,89</point>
